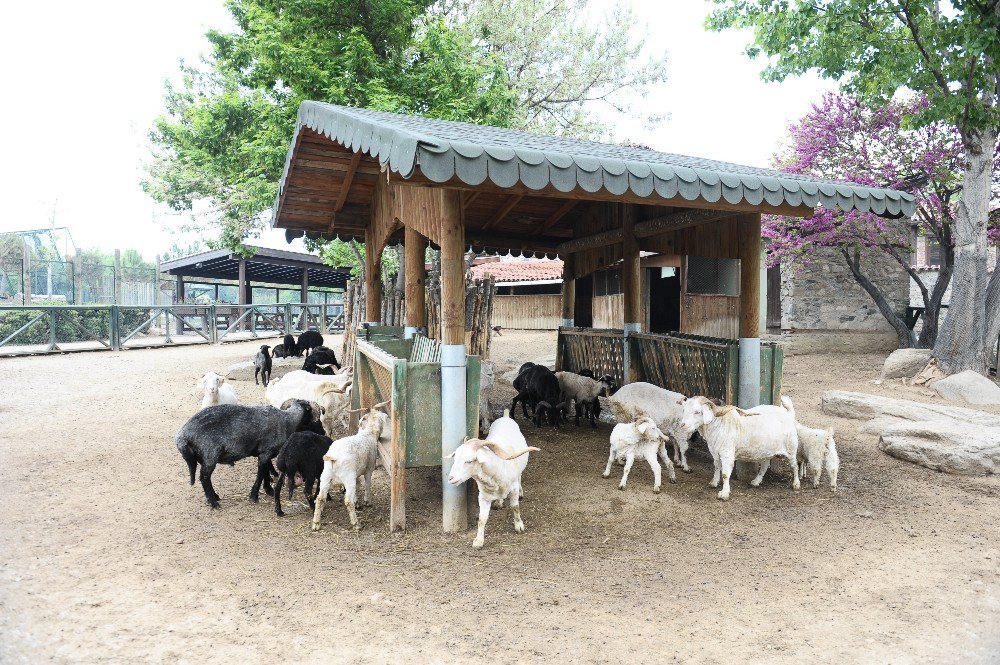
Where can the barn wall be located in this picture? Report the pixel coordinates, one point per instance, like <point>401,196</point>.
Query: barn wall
<point>710,315</point>
<point>609,311</point>
<point>534,312</point>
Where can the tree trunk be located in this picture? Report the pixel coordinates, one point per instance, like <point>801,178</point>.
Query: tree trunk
<point>904,336</point>
<point>993,312</point>
<point>932,307</point>
<point>960,344</point>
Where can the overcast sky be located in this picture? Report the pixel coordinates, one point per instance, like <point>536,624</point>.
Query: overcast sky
<point>84,81</point>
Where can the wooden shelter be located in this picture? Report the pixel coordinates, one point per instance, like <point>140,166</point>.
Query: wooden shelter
<point>388,178</point>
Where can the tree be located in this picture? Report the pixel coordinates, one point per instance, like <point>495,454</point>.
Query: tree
<point>558,65</point>
<point>875,48</point>
<point>228,123</point>
<point>841,138</point>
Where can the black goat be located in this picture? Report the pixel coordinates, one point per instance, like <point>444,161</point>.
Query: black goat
<point>519,386</point>
<point>286,349</point>
<point>262,365</point>
<point>321,356</point>
<point>539,387</point>
<point>301,454</point>
<point>308,341</point>
<point>226,433</point>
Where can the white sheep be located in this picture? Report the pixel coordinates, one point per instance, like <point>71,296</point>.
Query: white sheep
<point>351,458</point>
<point>733,434</point>
<point>332,392</point>
<point>817,449</point>
<point>583,390</point>
<point>496,464</point>
<point>216,390</point>
<point>642,439</point>
<point>665,407</point>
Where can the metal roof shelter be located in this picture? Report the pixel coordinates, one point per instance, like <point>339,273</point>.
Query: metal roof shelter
<point>385,177</point>
<point>271,266</point>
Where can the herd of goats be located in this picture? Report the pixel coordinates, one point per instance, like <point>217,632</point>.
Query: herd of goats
<point>293,436</point>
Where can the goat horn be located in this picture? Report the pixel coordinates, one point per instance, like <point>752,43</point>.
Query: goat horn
<point>381,404</point>
<point>545,404</point>
<point>503,454</point>
<point>720,411</point>
<point>357,410</point>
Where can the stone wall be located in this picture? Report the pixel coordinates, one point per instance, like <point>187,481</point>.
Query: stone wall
<point>824,309</point>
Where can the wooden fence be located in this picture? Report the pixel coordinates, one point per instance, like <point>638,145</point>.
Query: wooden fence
<point>688,364</point>
<point>528,312</point>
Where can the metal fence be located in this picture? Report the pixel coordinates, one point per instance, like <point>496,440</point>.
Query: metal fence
<point>39,329</point>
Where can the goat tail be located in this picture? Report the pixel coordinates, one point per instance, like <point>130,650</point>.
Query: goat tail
<point>506,413</point>
<point>786,402</point>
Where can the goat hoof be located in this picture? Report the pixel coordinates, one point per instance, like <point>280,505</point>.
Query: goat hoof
<point>621,487</point>
<point>723,496</point>
<point>254,498</point>
<point>686,469</point>
<point>315,526</point>
<point>279,513</point>
<point>477,544</point>
<point>606,475</point>
<point>656,490</point>
<point>519,528</point>
<point>713,485</point>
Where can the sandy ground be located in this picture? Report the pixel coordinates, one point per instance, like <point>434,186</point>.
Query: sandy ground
<point>108,555</point>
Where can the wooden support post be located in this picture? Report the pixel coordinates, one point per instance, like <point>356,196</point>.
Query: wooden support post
<point>118,277</point>
<point>397,470</point>
<point>78,278</point>
<point>26,273</point>
<point>373,278</point>
<point>242,291</point>
<point>416,281</point>
<point>453,360</point>
<point>568,293</point>
<point>749,251</point>
<point>631,286</point>
<point>305,285</point>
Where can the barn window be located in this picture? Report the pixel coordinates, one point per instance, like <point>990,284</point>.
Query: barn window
<point>713,276</point>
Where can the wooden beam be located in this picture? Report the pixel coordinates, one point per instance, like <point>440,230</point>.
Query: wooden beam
<point>749,275</point>
<point>678,220</point>
<point>345,187</point>
<point>611,237</point>
<point>415,278</point>
<point>532,244</point>
<point>468,198</point>
<point>554,218</point>
<point>503,211</point>
<point>452,268</point>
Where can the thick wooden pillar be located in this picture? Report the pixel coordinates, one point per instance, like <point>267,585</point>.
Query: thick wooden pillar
<point>305,286</point>
<point>415,282</point>
<point>453,362</point>
<point>373,278</point>
<point>750,248</point>
<point>631,286</point>
<point>568,292</point>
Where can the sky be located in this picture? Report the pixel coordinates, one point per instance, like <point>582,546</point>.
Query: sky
<point>84,81</point>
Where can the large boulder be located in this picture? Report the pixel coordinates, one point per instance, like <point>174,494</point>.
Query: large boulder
<point>862,406</point>
<point>279,367</point>
<point>905,363</point>
<point>968,386</point>
<point>944,446</point>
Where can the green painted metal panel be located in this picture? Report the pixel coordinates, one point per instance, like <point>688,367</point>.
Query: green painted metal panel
<point>423,414</point>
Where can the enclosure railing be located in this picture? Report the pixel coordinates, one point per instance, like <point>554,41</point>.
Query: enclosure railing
<point>687,364</point>
<point>36,329</point>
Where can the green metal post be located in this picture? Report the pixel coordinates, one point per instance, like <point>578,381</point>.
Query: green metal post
<point>213,325</point>
<point>288,318</point>
<point>114,331</point>
<point>52,329</point>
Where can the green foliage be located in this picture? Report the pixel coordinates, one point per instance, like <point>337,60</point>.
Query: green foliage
<point>877,47</point>
<point>228,123</point>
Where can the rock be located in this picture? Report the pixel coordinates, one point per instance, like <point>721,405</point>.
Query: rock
<point>861,406</point>
<point>876,426</point>
<point>905,363</point>
<point>968,386</point>
<point>279,367</point>
<point>945,446</point>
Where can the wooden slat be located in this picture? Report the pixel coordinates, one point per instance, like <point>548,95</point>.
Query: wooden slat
<point>527,312</point>
<point>502,211</point>
<point>561,212</point>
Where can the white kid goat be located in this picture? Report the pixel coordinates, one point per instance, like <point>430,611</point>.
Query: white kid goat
<point>733,434</point>
<point>216,390</point>
<point>665,407</point>
<point>496,464</point>
<point>642,439</point>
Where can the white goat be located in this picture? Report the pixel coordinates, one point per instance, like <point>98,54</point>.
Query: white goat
<point>665,407</point>
<point>642,439</point>
<point>583,390</point>
<point>330,392</point>
<point>350,458</point>
<point>216,390</point>
<point>733,434</point>
<point>817,449</point>
<point>496,464</point>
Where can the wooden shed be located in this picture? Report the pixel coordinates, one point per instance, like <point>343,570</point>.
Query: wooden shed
<point>383,177</point>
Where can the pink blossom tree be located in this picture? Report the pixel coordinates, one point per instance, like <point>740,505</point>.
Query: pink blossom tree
<point>843,139</point>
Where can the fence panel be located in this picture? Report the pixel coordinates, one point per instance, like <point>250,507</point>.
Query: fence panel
<point>53,329</point>
<point>589,348</point>
<point>533,312</point>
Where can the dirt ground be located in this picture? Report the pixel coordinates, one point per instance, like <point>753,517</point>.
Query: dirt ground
<point>108,555</point>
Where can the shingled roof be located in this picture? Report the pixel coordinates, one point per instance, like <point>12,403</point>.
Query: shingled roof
<point>519,271</point>
<point>467,154</point>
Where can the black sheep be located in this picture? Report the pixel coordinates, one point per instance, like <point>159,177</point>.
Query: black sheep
<point>262,365</point>
<point>308,340</point>
<point>286,349</point>
<point>321,356</point>
<point>539,387</point>
<point>227,433</point>
<point>519,386</point>
<point>301,454</point>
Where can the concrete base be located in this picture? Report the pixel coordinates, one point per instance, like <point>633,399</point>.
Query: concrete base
<point>453,416</point>
<point>566,323</point>
<point>409,332</point>
<point>808,342</point>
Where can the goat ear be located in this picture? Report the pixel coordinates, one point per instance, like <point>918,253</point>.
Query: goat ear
<point>328,458</point>
<point>641,426</point>
<point>451,455</point>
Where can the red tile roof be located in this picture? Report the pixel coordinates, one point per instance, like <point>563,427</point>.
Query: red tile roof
<point>520,271</point>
